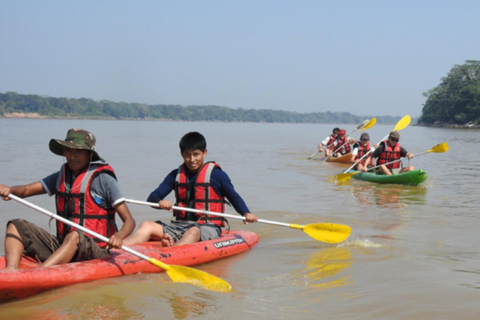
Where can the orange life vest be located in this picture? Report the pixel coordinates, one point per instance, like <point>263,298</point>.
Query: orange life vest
<point>342,145</point>
<point>198,194</point>
<point>362,150</point>
<point>331,140</point>
<point>76,204</point>
<point>390,154</point>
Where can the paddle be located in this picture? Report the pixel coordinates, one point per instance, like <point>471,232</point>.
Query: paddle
<point>176,273</point>
<point>401,124</point>
<point>313,155</point>
<point>325,232</point>
<point>439,148</point>
<point>369,124</point>
<point>365,127</point>
<point>361,125</point>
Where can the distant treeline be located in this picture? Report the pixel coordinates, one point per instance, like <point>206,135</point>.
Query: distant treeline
<point>12,102</point>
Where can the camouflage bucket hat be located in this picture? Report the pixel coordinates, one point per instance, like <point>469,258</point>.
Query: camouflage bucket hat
<point>76,139</point>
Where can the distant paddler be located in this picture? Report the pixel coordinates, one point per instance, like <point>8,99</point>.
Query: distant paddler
<point>328,141</point>
<point>341,146</point>
<point>389,151</point>
<point>360,149</point>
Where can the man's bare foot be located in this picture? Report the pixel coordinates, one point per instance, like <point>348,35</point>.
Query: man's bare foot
<point>167,240</point>
<point>8,269</point>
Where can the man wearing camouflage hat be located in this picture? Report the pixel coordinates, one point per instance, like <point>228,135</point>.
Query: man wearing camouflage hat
<point>86,192</point>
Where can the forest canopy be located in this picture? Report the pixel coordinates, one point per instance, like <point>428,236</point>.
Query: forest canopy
<point>456,100</point>
<point>11,102</point>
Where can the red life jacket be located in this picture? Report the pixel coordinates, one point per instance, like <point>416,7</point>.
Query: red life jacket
<point>342,145</point>
<point>362,150</point>
<point>331,140</point>
<point>198,194</point>
<point>77,204</point>
<point>390,154</point>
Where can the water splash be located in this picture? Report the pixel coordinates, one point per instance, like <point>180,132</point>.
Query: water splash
<point>360,243</point>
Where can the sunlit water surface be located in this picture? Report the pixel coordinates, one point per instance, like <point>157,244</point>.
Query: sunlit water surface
<point>413,252</point>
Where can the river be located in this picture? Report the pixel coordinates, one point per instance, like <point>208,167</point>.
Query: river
<point>412,253</point>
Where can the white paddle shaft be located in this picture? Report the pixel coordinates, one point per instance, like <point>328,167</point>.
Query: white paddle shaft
<point>153,204</point>
<point>73,224</point>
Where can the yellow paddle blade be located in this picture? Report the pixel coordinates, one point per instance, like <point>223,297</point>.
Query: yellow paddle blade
<point>342,177</point>
<point>404,122</point>
<point>439,148</point>
<point>363,124</point>
<point>369,124</point>
<point>328,232</point>
<point>193,276</point>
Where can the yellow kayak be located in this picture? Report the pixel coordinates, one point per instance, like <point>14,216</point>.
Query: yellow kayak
<point>342,159</point>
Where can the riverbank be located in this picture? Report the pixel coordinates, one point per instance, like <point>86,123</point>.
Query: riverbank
<point>23,115</point>
<point>32,115</point>
<point>449,125</point>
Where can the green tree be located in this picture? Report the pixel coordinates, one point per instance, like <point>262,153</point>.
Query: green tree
<point>456,100</point>
<point>84,107</point>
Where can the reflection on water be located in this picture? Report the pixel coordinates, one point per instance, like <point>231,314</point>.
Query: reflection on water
<point>185,306</point>
<point>389,196</point>
<point>131,297</point>
<point>103,303</point>
<point>105,307</point>
<point>323,265</point>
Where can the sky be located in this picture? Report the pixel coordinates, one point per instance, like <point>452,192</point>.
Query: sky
<point>364,57</point>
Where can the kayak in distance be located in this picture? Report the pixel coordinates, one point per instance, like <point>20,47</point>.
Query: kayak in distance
<point>414,177</point>
<point>32,279</point>
<point>346,158</point>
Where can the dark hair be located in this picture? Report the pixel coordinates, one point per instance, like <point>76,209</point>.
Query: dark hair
<point>193,141</point>
<point>335,130</point>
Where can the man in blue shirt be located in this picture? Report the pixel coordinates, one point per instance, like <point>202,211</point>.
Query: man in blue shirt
<point>198,185</point>
<point>86,193</point>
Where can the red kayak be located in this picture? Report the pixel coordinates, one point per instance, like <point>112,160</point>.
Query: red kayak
<point>31,279</point>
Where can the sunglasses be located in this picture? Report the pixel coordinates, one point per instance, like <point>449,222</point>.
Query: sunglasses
<point>394,139</point>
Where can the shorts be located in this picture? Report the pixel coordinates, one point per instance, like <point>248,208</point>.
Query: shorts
<point>40,244</point>
<point>393,171</point>
<point>176,229</point>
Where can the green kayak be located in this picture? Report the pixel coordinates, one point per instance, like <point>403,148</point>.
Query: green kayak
<point>414,177</point>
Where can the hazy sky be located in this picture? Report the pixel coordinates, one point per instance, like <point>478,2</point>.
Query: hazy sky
<point>360,56</point>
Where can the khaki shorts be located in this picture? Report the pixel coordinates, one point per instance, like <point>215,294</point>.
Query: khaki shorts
<point>40,244</point>
<point>176,229</point>
<point>393,171</point>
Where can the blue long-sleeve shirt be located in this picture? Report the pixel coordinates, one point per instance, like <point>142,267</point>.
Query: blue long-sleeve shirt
<point>221,184</point>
